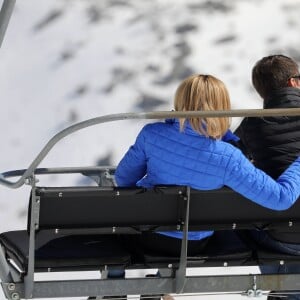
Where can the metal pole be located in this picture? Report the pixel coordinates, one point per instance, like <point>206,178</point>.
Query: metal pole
<point>34,223</point>
<point>180,278</point>
<point>5,14</point>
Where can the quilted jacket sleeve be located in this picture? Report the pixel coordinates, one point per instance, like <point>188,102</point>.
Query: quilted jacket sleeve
<point>133,165</point>
<point>254,184</point>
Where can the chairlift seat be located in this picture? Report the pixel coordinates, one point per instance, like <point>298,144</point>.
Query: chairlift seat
<point>65,253</point>
<point>224,248</point>
<point>79,228</point>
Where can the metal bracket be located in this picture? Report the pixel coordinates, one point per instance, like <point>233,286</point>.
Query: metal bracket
<point>31,180</point>
<point>11,291</point>
<point>103,178</point>
<point>36,212</point>
<point>254,292</point>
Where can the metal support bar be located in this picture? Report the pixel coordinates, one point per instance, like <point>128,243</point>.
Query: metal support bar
<point>5,14</point>
<point>87,171</point>
<point>34,223</point>
<point>254,291</point>
<point>145,115</point>
<point>181,272</point>
<point>238,284</point>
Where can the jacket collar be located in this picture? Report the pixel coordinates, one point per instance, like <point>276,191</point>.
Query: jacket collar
<point>228,136</point>
<point>283,98</point>
<point>186,129</point>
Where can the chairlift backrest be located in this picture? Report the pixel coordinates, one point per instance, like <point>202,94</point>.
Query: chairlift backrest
<point>162,206</point>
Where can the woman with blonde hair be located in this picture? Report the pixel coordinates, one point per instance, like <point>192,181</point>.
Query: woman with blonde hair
<point>202,93</point>
<point>192,152</point>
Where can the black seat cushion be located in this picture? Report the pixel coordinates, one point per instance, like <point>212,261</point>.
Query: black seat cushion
<point>266,256</point>
<point>72,252</point>
<point>224,247</point>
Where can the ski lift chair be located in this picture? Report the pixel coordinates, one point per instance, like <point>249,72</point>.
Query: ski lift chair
<point>80,228</point>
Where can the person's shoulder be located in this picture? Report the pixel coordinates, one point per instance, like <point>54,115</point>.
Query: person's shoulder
<point>250,121</point>
<point>249,124</point>
<point>228,149</point>
<point>154,126</point>
<point>150,129</point>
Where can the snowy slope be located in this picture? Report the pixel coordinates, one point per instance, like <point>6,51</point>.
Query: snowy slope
<point>64,61</point>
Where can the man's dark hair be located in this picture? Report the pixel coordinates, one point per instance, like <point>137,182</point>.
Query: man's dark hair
<point>272,73</point>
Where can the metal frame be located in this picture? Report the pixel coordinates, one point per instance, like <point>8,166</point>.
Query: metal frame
<point>5,14</point>
<point>34,225</point>
<point>102,175</point>
<point>172,280</point>
<point>145,115</point>
<point>30,288</point>
<point>249,285</point>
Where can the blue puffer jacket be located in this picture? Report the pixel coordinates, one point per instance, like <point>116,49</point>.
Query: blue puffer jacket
<point>164,155</point>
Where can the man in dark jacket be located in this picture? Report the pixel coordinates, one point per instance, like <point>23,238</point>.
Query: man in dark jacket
<point>273,143</point>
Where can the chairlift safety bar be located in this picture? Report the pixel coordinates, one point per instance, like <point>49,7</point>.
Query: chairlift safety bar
<point>143,115</point>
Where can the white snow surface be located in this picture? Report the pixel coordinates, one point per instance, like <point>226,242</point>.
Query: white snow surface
<point>65,61</point>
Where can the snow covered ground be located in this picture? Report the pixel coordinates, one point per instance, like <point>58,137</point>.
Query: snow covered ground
<point>64,61</point>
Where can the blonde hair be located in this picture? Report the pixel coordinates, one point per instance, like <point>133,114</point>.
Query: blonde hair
<point>203,93</point>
